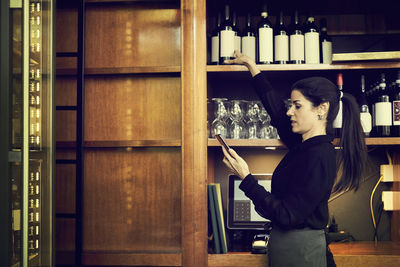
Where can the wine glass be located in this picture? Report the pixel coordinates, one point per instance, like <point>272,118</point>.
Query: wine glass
<point>253,114</point>
<point>237,129</point>
<point>266,127</point>
<point>253,110</point>
<point>219,124</point>
<point>220,107</point>
<point>236,110</point>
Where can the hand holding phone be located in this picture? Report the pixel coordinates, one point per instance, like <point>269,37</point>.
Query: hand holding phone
<point>223,143</point>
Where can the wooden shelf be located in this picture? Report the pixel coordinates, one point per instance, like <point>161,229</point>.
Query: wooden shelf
<point>130,70</point>
<point>366,248</point>
<point>123,143</point>
<point>132,259</point>
<point>345,254</point>
<point>117,1</point>
<point>249,142</point>
<point>371,141</point>
<point>303,67</point>
<point>122,70</point>
<point>134,143</point>
<point>237,259</point>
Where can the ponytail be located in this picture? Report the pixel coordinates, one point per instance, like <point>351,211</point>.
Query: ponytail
<point>353,154</point>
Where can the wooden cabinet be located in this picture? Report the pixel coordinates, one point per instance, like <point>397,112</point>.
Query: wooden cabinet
<point>147,157</point>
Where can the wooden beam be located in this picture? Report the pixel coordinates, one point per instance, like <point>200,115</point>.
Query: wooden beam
<point>194,133</point>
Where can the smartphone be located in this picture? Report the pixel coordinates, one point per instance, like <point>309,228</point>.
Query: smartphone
<point>222,142</point>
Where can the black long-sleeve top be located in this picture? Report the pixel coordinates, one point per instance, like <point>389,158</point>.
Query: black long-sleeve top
<point>302,181</point>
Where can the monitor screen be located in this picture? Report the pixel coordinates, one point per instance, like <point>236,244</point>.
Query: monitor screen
<point>241,213</point>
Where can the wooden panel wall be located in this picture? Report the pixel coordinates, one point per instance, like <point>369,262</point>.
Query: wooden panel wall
<point>132,108</point>
<point>65,188</point>
<point>65,94</point>
<point>132,200</point>
<point>132,195</point>
<point>66,30</point>
<point>126,35</point>
<point>66,128</point>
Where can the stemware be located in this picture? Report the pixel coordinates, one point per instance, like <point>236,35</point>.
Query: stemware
<point>219,124</point>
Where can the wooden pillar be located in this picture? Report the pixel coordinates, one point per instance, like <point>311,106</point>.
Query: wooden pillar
<point>194,133</point>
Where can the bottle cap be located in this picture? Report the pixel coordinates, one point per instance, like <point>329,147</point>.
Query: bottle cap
<point>340,79</point>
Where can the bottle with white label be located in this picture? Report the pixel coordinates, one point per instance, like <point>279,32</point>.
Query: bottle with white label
<point>226,38</point>
<point>326,43</point>
<point>396,107</point>
<point>296,41</point>
<point>337,123</point>
<point>311,41</point>
<point>365,116</point>
<point>238,38</point>
<point>281,42</point>
<point>215,42</point>
<point>249,40</point>
<point>383,110</point>
<point>265,38</point>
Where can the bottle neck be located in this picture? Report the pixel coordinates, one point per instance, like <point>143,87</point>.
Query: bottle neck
<point>227,15</point>
<point>264,14</point>
<point>281,19</point>
<point>248,20</point>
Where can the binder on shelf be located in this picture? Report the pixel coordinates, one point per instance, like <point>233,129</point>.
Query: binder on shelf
<point>216,188</point>
<point>213,215</point>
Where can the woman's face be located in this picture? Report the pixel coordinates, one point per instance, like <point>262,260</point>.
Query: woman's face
<point>304,116</point>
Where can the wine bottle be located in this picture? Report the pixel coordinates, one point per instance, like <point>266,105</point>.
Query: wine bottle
<point>311,41</point>
<point>296,41</point>
<point>265,38</point>
<point>238,38</point>
<point>396,106</point>
<point>227,38</point>
<point>383,110</point>
<point>281,42</point>
<point>337,123</point>
<point>215,41</point>
<point>249,40</point>
<point>326,43</point>
<point>365,116</point>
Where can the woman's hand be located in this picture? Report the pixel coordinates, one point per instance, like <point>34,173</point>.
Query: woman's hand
<point>235,163</point>
<point>241,59</point>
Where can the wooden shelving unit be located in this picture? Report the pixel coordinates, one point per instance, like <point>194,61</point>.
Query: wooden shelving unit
<point>162,187</point>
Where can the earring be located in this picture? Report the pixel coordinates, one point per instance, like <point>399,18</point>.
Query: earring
<point>320,117</point>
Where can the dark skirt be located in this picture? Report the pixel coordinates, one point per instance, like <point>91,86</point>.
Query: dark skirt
<point>297,248</point>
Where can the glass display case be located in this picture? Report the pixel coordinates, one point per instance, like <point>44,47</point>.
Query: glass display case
<point>28,95</point>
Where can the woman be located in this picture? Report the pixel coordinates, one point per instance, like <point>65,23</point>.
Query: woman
<point>303,181</point>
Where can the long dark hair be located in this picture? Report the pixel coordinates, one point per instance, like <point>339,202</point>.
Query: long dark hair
<point>353,151</point>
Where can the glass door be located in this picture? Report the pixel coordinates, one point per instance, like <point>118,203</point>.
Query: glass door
<point>28,94</point>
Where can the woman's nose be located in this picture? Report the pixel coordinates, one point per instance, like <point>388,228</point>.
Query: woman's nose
<point>289,112</point>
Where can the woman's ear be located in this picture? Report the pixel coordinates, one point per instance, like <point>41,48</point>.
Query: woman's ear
<point>323,109</point>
